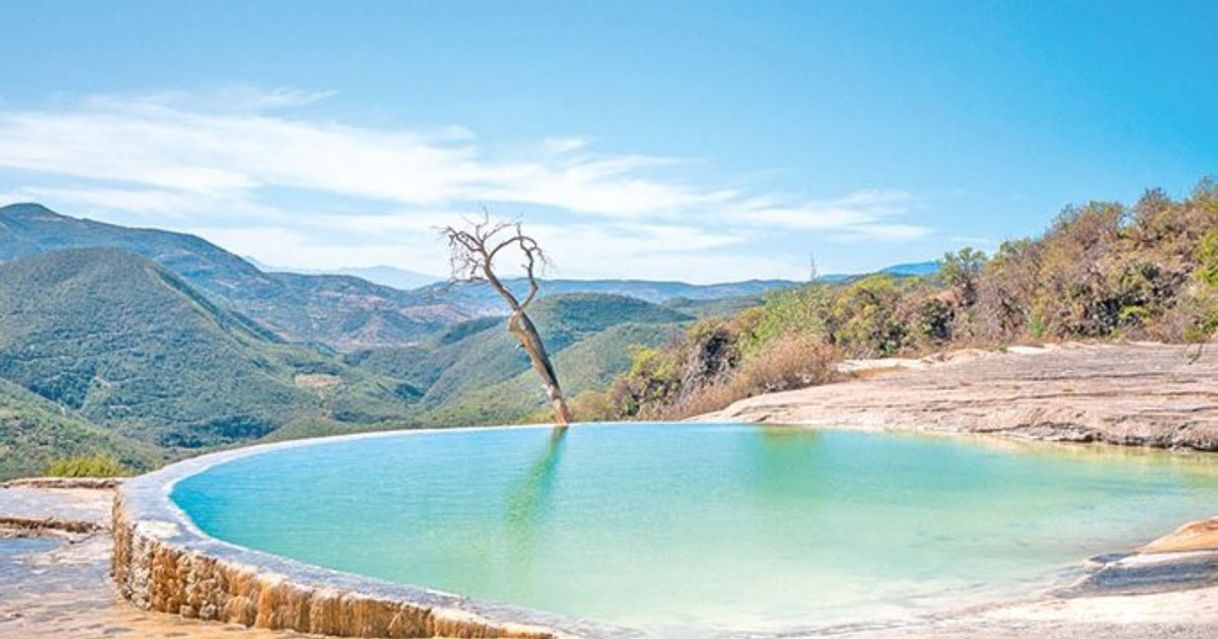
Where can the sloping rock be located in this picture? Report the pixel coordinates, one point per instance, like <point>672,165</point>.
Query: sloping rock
<point>1128,394</point>
<point>1197,535</point>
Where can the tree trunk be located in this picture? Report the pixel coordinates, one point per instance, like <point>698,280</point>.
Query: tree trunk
<point>473,260</point>
<point>522,327</point>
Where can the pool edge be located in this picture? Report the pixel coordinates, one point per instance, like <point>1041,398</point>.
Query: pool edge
<point>163,562</point>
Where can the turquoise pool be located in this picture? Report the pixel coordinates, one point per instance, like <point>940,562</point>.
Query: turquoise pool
<point>692,530</point>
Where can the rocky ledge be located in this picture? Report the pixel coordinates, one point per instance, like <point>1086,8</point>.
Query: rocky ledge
<point>1127,394</point>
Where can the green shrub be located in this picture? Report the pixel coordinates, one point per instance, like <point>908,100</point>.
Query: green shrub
<point>1204,301</point>
<point>962,272</point>
<point>864,318</point>
<point>933,320</point>
<point>800,311</point>
<point>1207,259</point>
<point>86,466</point>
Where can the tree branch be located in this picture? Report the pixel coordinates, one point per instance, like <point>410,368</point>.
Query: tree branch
<point>472,259</point>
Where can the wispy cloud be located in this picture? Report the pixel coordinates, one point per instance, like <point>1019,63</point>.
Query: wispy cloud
<point>220,162</point>
<point>154,142</point>
<point>975,241</point>
<point>230,99</point>
<point>865,214</point>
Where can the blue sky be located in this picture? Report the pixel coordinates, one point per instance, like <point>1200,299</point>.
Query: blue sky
<point>701,141</point>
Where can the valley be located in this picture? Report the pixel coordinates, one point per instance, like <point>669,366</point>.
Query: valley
<point>147,345</point>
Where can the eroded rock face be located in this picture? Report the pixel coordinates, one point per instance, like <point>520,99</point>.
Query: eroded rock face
<point>156,573</point>
<point>1131,394</point>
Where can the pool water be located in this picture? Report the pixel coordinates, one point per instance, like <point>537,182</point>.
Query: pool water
<point>692,530</point>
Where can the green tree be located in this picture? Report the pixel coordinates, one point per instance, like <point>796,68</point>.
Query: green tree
<point>962,271</point>
<point>800,311</point>
<point>864,317</point>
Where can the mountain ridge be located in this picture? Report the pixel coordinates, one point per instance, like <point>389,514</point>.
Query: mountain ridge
<point>122,343</point>
<point>340,311</point>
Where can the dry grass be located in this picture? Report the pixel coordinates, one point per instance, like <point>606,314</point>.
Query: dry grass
<point>789,362</point>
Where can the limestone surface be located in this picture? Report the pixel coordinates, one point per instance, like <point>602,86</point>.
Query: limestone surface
<point>1126,394</point>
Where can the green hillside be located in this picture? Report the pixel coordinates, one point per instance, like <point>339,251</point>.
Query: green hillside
<point>35,431</point>
<point>103,351</point>
<point>477,299</point>
<point>475,372</point>
<point>720,307</point>
<point>340,311</point>
<point>122,343</point>
<point>588,364</point>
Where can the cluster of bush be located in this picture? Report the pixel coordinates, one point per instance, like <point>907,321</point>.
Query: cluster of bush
<point>87,466</point>
<point>1101,271</point>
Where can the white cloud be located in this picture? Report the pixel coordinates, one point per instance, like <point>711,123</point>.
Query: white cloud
<point>225,99</point>
<point>881,233</point>
<point>288,248</point>
<point>411,242</point>
<point>973,240</point>
<point>153,142</point>
<point>565,145</point>
<point>152,206</point>
<point>219,164</point>
<point>862,215</point>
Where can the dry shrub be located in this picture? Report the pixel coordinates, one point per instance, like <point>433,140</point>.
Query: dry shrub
<point>793,361</point>
<point>1193,318</point>
<point>707,399</point>
<point>594,406</point>
<point>789,362</point>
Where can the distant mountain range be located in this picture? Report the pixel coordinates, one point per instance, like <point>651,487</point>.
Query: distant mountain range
<point>478,299</point>
<point>340,311</point>
<point>390,276</point>
<point>359,308</point>
<point>914,269</point>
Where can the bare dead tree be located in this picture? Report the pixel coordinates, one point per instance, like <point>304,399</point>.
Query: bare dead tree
<point>473,253</point>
